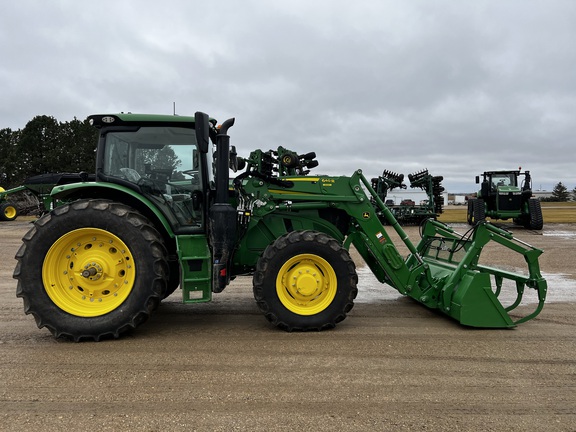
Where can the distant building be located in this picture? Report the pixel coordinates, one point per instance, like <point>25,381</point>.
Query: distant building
<point>542,194</point>
<point>462,198</point>
<point>459,198</point>
<point>417,196</point>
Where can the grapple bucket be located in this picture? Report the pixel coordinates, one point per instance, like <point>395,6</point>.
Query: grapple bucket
<point>468,291</point>
<point>445,272</point>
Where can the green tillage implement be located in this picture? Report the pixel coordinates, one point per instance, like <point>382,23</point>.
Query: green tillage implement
<point>40,186</point>
<point>8,210</point>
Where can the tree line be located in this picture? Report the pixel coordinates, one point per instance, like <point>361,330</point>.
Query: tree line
<point>48,146</point>
<point>43,146</point>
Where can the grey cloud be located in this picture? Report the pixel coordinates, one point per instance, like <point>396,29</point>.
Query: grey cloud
<point>454,87</point>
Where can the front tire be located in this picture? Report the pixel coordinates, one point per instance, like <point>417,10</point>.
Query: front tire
<point>305,280</point>
<point>91,269</point>
<point>478,211</point>
<point>535,221</point>
<point>470,211</point>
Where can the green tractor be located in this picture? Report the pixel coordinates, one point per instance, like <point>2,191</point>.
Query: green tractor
<point>503,196</point>
<point>161,213</point>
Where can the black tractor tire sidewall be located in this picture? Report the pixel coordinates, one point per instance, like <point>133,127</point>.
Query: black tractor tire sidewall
<point>174,279</point>
<point>479,211</point>
<point>148,253</point>
<point>288,246</point>
<point>470,212</point>
<point>535,220</point>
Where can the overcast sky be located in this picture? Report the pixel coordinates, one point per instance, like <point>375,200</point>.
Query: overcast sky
<point>458,87</point>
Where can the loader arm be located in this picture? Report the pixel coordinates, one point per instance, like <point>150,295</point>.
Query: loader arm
<point>455,285</point>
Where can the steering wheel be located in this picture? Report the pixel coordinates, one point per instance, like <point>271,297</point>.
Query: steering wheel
<point>152,186</point>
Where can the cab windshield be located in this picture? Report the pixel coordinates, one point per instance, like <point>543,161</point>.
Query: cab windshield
<point>163,162</point>
<point>503,180</point>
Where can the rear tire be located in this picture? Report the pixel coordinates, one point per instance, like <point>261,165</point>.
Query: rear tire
<point>8,211</point>
<point>535,219</point>
<point>305,280</point>
<point>470,211</point>
<point>91,269</point>
<point>173,280</point>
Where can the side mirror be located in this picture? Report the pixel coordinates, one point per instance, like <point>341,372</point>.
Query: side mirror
<point>477,179</point>
<point>202,131</point>
<point>236,163</point>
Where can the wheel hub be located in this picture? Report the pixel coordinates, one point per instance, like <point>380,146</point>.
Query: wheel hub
<point>305,281</point>
<point>306,284</point>
<point>10,212</point>
<point>88,272</point>
<point>92,271</point>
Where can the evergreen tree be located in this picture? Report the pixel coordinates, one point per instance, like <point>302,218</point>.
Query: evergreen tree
<point>46,146</point>
<point>38,148</point>
<point>574,194</point>
<point>77,145</point>
<point>560,192</point>
<point>8,159</point>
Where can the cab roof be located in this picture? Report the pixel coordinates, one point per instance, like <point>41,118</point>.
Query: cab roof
<point>130,119</point>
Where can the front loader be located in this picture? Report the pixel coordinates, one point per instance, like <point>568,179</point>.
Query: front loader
<point>162,214</point>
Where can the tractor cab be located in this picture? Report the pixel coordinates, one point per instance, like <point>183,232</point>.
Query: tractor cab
<point>500,190</point>
<point>161,162</point>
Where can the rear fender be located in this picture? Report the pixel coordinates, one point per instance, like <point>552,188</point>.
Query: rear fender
<point>91,190</point>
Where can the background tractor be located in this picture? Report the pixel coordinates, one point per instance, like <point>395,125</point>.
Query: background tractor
<point>161,213</point>
<point>505,195</point>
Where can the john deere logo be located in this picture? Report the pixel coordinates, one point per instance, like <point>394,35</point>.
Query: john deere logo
<point>366,215</point>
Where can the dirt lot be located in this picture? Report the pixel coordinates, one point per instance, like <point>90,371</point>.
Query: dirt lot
<point>392,365</point>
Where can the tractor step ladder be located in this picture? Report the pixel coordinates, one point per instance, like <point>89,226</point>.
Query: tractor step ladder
<point>196,268</point>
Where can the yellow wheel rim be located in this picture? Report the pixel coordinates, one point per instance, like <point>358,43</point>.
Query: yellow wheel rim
<point>10,212</point>
<point>88,272</point>
<point>306,284</point>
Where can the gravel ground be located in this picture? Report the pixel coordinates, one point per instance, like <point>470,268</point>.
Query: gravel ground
<point>391,365</point>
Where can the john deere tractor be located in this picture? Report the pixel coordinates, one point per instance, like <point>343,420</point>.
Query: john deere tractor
<point>505,195</point>
<point>160,213</point>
